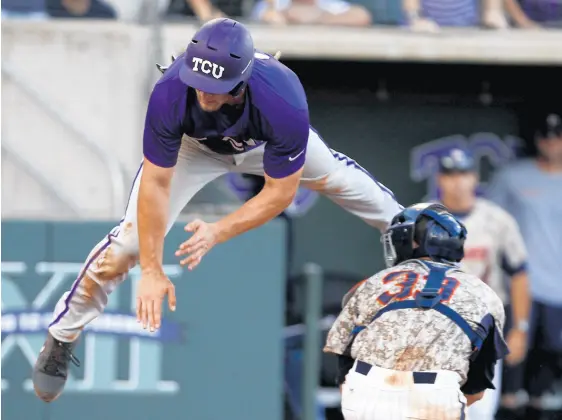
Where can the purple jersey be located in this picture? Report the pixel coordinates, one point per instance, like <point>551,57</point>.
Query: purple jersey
<point>275,112</point>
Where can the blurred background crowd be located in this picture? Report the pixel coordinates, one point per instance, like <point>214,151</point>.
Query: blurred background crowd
<point>418,15</point>
<point>399,116</point>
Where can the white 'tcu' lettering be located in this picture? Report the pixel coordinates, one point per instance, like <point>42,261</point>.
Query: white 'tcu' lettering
<point>207,67</point>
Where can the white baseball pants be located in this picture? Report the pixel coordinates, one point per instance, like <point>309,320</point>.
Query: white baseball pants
<point>330,173</point>
<point>384,394</point>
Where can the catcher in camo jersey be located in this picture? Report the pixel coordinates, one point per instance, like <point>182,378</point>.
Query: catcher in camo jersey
<point>419,340</point>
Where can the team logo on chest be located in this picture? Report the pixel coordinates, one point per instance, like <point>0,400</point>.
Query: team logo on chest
<point>207,67</point>
<point>236,145</point>
<point>239,144</point>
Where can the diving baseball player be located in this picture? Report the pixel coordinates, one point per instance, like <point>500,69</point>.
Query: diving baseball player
<point>420,339</point>
<point>220,107</point>
<point>494,249</point>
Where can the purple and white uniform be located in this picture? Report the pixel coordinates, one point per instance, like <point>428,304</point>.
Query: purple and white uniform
<point>269,133</point>
<point>274,117</point>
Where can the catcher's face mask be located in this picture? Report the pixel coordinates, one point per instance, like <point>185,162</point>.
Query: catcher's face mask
<point>397,243</point>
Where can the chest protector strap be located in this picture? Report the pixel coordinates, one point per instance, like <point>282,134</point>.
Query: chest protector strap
<point>430,298</point>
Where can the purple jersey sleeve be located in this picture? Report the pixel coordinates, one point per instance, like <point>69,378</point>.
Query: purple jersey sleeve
<point>285,154</point>
<point>163,125</point>
<point>281,99</point>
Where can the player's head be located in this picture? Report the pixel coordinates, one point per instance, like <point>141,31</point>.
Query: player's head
<point>457,176</point>
<point>218,62</point>
<point>424,230</point>
<point>548,138</point>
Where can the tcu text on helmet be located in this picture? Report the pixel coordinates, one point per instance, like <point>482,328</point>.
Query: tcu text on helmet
<point>207,67</point>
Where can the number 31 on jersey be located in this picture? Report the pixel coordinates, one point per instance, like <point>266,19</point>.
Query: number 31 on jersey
<point>407,281</point>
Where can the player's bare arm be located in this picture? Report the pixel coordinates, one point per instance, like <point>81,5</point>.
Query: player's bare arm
<point>153,203</point>
<point>276,195</point>
<point>161,143</point>
<point>520,306</point>
<point>514,248</point>
<point>471,399</point>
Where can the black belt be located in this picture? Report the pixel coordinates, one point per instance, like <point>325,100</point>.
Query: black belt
<point>419,377</point>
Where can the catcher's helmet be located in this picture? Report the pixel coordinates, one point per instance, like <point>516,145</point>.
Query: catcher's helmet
<point>437,234</point>
<point>220,57</point>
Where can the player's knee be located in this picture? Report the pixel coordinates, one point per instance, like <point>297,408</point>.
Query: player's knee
<point>117,257</point>
<point>111,264</point>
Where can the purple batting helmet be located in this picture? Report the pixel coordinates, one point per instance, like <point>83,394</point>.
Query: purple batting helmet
<point>220,57</point>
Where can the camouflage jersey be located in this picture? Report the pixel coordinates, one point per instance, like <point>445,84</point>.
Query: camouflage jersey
<point>416,339</point>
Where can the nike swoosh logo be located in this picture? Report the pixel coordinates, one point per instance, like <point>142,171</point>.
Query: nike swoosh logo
<point>294,157</point>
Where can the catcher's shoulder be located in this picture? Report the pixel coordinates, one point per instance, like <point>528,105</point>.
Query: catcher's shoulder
<point>351,292</point>
<point>372,279</point>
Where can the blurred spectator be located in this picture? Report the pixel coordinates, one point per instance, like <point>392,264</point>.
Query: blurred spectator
<point>24,9</point>
<point>535,13</point>
<point>383,12</point>
<point>138,10</point>
<point>88,9</point>
<point>531,190</point>
<point>308,12</point>
<point>429,15</point>
<point>204,10</point>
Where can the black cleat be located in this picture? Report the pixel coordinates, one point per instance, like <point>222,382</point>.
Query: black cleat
<point>51,369</point>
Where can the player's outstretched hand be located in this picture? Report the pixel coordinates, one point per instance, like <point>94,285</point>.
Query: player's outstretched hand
<point>153,287</point>
<point>203,239</point>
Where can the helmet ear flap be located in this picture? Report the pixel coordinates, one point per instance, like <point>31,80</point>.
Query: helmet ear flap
<point>438,243</point>
<point>434,234</point>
